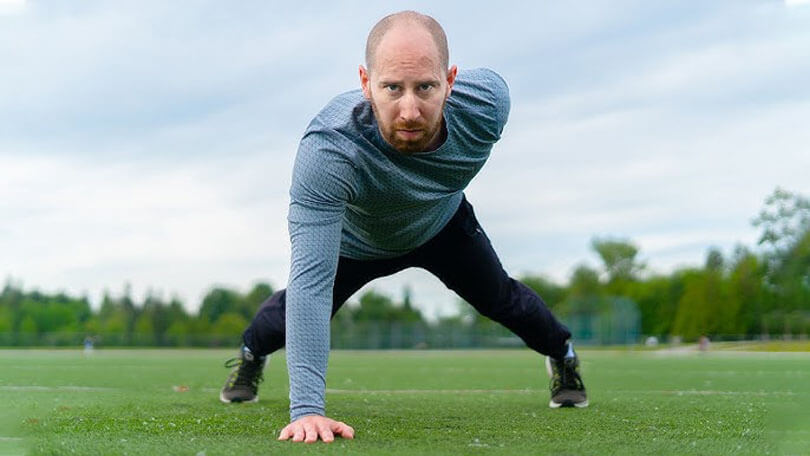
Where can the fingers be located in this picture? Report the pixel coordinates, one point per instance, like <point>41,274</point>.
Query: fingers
<point>311,428</point>
<point>311,432</point>
<point>343,430</point>
<point>299,434</point>
<point>285,433</point>
<point>326,433</point>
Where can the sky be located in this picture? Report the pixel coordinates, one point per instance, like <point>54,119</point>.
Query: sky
<point>151,143</point>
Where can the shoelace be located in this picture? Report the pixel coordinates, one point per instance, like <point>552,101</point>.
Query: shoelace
<point>248,373</point>
<point>567,378</point>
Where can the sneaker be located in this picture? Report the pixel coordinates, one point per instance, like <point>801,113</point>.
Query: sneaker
<point>243,383</point>
<point>567,388</point>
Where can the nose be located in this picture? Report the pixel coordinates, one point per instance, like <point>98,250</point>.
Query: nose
<point>409,108</point>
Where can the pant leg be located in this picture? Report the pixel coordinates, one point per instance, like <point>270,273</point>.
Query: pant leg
<point>462,257</point>
<point>267,331</point>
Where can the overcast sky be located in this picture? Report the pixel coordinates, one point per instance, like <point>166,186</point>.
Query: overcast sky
<point>151,142</point>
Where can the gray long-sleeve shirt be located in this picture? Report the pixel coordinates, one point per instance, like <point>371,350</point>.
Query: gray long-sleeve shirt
<point>354,195</point>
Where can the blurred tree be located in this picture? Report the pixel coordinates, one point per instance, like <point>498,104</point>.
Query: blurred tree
<point>793,277</point>
<point>255,297</point>
<point>657,299</point>
<point>745,290</point>
<point>218,302</point>
<point>178,332</point>
<point>6,319</point>
<point>619,258</point>
<point>115,323</point>
<point>785,224</point>
<point>29,325</point>
<point>784,220</point>
<point>584,283</point>
<point>144,327</point>
<point>704,307</point>
<point>714,259</point>
<point>229,324</point>
<point>129,311</point>
<point>378,307</point>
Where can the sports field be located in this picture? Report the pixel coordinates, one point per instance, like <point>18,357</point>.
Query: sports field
<point>157,402</point>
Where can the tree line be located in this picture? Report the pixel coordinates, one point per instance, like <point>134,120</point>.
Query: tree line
<point>749,293</point>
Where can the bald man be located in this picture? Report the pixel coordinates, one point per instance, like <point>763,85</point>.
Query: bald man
<point>377,188</point>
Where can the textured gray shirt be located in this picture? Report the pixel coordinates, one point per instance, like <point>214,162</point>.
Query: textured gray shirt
<point>354,195</point>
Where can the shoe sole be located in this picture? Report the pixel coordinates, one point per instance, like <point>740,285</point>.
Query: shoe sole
<point>226,401</point>
<point>567,404</point>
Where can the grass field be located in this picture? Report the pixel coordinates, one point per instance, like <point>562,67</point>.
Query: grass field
<point>157,402</point>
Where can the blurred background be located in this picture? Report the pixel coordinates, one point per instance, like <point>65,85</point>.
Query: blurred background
<point>651,184</point>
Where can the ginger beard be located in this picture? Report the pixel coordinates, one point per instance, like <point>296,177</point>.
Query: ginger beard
<point>410,137</point>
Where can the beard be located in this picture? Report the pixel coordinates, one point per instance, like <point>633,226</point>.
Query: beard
<point>416,137</point>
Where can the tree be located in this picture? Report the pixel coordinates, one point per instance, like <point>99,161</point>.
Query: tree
<point>714,259</point>
<point>619,258</point>
<point>784,220</point>
<point>745,287</point>
<point>378,307</point>
<point>256,296</point>
<point>229,324</point>
<point>704,307</point>
<point>218,302</point>
<point>785,224</point>
<point>584,283</point>
<point>657,299</point>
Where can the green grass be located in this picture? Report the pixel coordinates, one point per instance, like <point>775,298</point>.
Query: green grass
<point>409,402</point>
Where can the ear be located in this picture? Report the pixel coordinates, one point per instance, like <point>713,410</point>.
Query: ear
<point>364,82</point>
<point>451,79</point>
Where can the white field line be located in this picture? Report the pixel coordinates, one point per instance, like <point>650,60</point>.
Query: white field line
<point>434,391</point>
<point>710,392</point>
<point>415,391</point>
<point>529,391</point>
<point>720,353</point>
<point>89,389</point>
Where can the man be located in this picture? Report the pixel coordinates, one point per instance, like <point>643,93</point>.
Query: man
<point>377,187</point>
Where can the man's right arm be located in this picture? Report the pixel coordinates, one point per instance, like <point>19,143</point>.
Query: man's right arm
<point>321,187</point>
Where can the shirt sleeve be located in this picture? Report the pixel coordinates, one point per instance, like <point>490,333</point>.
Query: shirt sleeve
<point>321,187</point>
<point>481,99</point>
<point>501,100</point>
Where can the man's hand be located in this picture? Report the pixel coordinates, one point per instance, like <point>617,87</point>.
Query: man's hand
<point>309,428</point>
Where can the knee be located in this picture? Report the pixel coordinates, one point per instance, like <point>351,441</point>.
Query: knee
<point>514,301</point>
<point>497,303</point>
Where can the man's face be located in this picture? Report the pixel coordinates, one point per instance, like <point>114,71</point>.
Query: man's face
<point>408,87</point>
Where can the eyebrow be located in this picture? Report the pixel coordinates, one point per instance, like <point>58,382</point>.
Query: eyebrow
<point>393,82</point>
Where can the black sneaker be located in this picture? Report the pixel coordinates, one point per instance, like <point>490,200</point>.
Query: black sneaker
<point>243,383</point>
<point>567,388</point>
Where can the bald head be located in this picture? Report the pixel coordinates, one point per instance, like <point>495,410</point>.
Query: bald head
<point>407,19</point>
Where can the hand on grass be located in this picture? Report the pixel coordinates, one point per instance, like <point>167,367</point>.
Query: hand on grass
<point>309,428</point>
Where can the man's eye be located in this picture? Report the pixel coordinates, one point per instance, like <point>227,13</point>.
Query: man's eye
<point>425,87</point>
<point>392,87</point>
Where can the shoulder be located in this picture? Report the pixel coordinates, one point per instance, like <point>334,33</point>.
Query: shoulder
<point>325,162</point>
<point>484,80</point>
<point>481,95</point>
<point>338,126</point>
<point>340,114</point>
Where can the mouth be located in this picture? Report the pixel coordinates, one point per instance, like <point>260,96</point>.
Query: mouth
<point>410,134</point>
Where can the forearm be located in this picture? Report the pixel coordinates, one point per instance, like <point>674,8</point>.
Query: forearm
<point>307,352</point>
<point>315,250</point>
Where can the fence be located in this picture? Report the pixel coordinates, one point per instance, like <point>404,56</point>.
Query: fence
<point>598,329</point>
